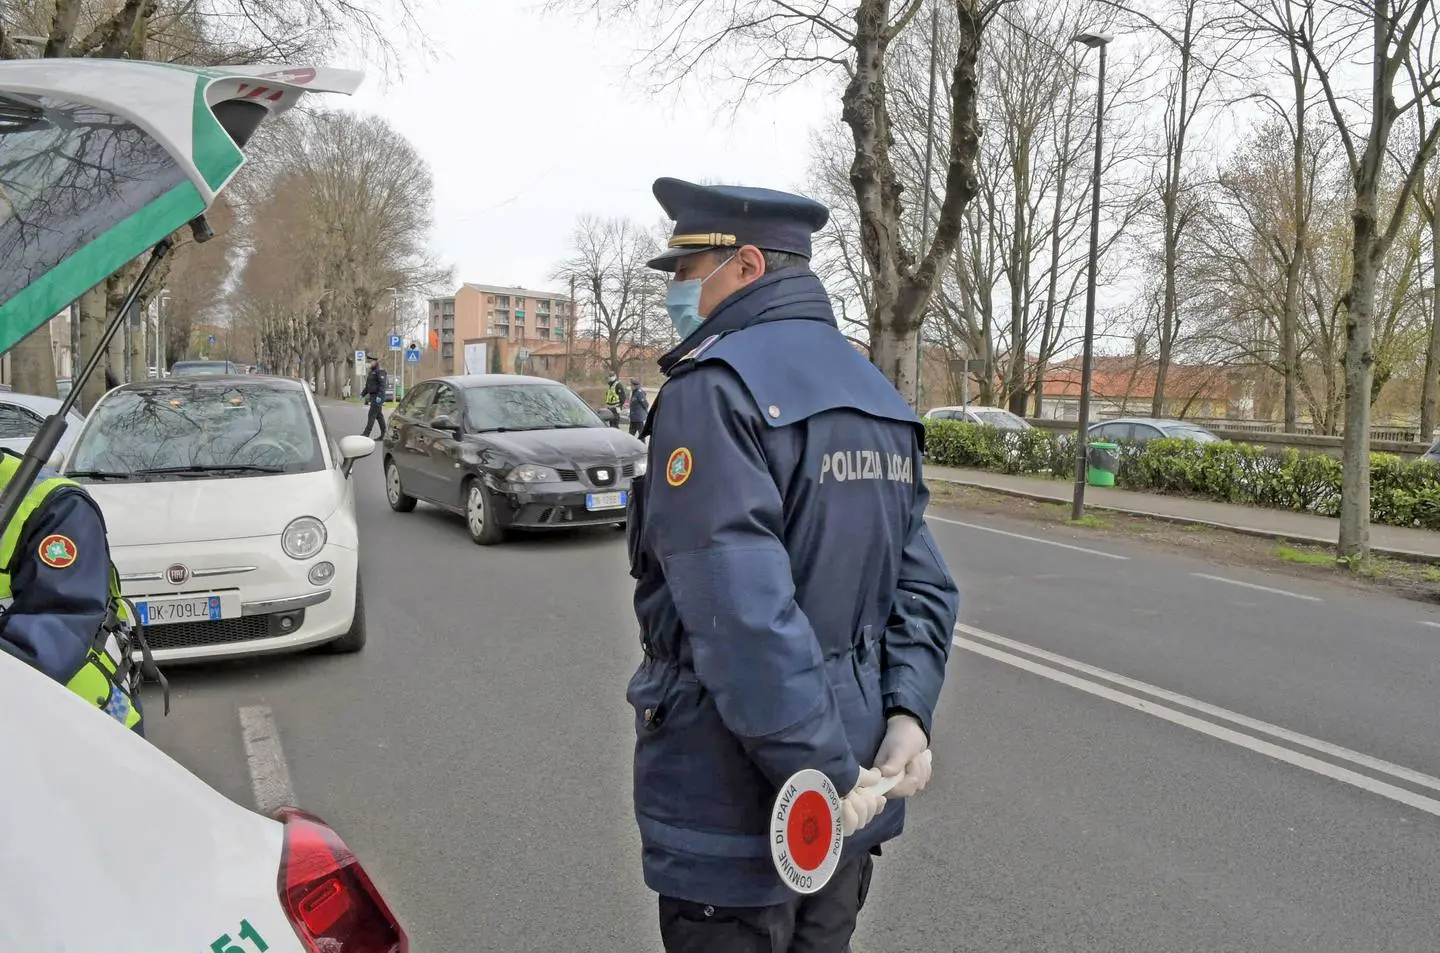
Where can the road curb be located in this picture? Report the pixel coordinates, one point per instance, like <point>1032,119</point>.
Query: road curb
<point>1403,555</point>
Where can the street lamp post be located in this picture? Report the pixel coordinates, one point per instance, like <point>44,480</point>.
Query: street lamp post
<point>1095,41</point>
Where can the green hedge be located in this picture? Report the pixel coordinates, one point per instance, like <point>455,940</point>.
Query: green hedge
<point>1401,493</point>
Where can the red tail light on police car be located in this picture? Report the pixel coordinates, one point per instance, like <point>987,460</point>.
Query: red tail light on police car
<point>327,895</point>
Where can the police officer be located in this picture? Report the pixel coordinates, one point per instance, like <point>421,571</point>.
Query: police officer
<point>60,604</point>
<point>639,406</point>
<point>794,610</point>
<point>614,398</point>
<point>373,394</point>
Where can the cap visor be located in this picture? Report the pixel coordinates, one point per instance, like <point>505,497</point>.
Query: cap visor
<point>666,260</point>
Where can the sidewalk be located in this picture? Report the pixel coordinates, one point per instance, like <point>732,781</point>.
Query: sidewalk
<point>1397,542</point>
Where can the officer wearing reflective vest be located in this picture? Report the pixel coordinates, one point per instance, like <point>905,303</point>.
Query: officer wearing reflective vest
<point>794,610</point>
<point>61,609</point>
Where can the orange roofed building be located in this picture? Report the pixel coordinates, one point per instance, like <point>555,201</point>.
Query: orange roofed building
<point>1125,387</point>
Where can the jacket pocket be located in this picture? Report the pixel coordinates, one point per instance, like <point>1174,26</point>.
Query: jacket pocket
<point>855,678</point>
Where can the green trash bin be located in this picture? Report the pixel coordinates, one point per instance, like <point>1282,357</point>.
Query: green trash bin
<point>1102,463</point>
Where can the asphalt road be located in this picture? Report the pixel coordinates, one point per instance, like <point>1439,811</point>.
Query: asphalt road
<point>1134,751</point>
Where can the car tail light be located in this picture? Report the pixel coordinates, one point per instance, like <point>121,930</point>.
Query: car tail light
<point>327,895</point>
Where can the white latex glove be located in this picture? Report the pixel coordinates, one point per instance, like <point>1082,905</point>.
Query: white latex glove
<point>860,806</point>
<point>917,775</point>
<point>904,742</point>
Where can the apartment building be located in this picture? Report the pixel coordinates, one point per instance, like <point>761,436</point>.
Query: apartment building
<point>511,320</point>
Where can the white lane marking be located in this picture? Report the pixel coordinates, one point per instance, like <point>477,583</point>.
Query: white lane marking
<point>1315,765</point>
<point>1433,625</point>
<point>1028,539</point>
<point>269,773</point>
<point>1251,585</point>
<point>1214,711</point>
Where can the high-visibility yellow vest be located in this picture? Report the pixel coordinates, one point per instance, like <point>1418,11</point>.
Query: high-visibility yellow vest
<point>106,677</point>
<point>612,395</point>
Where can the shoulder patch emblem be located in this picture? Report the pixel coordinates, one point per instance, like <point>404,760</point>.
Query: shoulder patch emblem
<point>58,552</point>
<point>678,467</point>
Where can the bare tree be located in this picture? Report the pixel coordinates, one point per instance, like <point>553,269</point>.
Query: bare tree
<point>624,298</point>
<point>336,217</point>
<point>757,45</point>
<point>1397,40</point>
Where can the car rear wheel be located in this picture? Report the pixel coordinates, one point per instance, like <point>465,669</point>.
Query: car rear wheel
<point>480,517</point>
<point>354,640</point>
<point>400,501</point>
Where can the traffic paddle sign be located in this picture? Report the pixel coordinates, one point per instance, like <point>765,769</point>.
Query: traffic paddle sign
<point>806,829</point>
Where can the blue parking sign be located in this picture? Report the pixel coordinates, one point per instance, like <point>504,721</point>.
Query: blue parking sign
<point>395,344</point>
<point>412,355</point>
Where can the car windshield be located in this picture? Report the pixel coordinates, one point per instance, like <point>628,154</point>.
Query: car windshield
<point>527,407</point>
<point>1000,418</point>
<point>193,368</point>
<point>197,430</point>
<point>1190,433</point>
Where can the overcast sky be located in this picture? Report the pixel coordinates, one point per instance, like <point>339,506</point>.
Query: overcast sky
<point>528,121</point>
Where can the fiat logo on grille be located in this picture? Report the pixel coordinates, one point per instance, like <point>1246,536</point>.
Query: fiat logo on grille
<point>177,574</point>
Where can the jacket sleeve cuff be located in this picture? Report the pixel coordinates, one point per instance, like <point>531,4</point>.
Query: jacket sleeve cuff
<point>908,703</point>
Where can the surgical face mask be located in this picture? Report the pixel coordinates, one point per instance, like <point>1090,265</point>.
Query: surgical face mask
<point>682,300</point>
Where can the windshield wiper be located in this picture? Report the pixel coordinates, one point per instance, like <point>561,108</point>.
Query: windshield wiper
<point>99,475</point>
<point>213,468</point>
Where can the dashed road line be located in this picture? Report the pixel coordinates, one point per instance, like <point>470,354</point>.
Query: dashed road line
<point>1251,585</point>
<point>269,772</point>
<point>1028,539</point>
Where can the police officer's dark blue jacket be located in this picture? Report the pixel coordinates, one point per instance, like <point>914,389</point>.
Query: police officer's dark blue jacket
<point>788,592</point>
<point>58,606</point>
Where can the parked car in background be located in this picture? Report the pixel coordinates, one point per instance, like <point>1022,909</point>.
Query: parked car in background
<point>199,368</point>
<point>197,873</point>
<point>231,514</point>
<point>989,416</point>
<point>508,452</point>
<point>1140,429</point>
<point>21,416</point>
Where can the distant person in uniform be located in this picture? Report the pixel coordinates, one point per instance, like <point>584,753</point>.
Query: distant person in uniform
<point>794,610</point>
<point>639,406</point>
<point>614,398</point>
<point>376,383</point>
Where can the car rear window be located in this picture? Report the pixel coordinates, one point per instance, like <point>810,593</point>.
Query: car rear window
<point>203,425</point>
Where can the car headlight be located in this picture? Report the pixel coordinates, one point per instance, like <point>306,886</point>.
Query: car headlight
<point>640,465</point>
<point>303,538</point>
<point>532,473</point>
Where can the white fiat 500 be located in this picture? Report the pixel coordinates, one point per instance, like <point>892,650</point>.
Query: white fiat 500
<point>196,873</point>
<point>231,514</point>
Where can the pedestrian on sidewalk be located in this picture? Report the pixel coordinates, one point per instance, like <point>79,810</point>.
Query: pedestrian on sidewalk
<point>639,406</point>
<point>773,642</point>
<point>373,394</point>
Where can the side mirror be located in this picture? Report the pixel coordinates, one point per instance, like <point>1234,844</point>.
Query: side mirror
<point>446,422</point>
<point>352,448</point>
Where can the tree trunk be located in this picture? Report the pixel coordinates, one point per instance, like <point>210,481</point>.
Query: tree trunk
<point>92,328</point>
<point>137,349</point>
<point>893,352</point>
<point>32,363</point>
<point>1359,370</point>
<point>1432,353</point>
<point>1169,319</point>
<point>1290,319</point>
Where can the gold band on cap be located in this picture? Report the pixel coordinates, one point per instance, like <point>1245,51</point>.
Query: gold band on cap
<point>708,240</point>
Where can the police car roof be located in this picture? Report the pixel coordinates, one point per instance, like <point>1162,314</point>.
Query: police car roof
<point>495,380</point>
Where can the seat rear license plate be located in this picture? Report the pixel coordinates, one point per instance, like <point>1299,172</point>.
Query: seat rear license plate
<point>605,501</point>
<point>166,610</point>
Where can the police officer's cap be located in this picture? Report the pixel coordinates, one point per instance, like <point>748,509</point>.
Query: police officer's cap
<point>729,216</point>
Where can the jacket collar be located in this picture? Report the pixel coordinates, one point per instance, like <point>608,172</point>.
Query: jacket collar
<point>785,295</point>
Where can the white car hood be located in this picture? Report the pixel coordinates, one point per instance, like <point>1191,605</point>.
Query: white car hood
<point>189,511</point>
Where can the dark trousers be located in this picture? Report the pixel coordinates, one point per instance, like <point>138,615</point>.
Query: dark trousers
<point>635,426</point>
<point>820,923</point>
<point>614,416</point>
<point>377,416</point>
